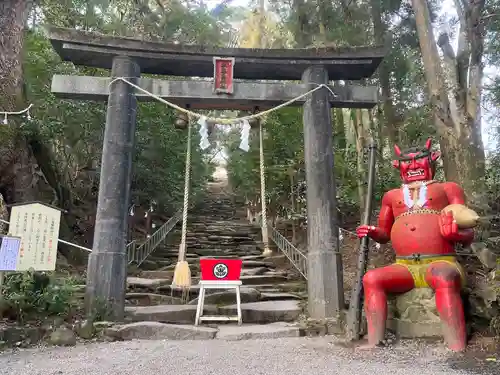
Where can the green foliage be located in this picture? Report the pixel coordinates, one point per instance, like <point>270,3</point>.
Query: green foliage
<point>341,24</point>
<point>35,296</point>
<point>73,130</point>
<point>160,158</point>
<point>284,154</point>
<point>283,139</point>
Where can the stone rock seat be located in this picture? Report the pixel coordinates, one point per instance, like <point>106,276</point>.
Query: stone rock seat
<point>414,314</point>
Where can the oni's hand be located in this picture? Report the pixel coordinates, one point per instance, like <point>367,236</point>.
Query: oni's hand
<point>365,230</point>
<point>448,226</point>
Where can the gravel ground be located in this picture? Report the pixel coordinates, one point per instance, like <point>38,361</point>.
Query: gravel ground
<point>292,356</point>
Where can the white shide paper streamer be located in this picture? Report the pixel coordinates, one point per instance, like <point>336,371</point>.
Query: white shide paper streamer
<point>245,133</point>
<point>204,142</point>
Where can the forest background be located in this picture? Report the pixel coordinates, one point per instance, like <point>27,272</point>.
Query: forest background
<point>439,79</point>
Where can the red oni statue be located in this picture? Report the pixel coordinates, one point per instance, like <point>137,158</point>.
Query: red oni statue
<point>424,239</point>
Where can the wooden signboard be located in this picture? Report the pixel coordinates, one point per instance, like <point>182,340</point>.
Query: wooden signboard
<point>223,75</point>
<point>38,226</point>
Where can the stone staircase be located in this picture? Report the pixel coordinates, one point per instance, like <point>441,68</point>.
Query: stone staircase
<point>272,291</point>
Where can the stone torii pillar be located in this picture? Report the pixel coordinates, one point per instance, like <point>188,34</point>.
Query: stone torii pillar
<point>324,261</point>
<point>107,267</point>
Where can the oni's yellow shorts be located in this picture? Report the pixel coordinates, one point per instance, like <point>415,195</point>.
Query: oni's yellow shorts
<point>418,268</point>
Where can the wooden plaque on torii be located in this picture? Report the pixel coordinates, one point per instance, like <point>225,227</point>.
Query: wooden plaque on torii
<point>223,75</point>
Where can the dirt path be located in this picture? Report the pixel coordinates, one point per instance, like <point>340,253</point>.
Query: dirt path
<point>292,356</point>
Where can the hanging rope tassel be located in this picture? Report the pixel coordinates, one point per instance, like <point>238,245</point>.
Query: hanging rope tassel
<point>265,238</point>
<point>182,273</point>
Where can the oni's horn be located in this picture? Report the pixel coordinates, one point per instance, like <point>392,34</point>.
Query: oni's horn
<point>397,150</point>
<point>428,144</point>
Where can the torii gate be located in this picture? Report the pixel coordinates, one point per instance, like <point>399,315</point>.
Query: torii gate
<point>127,58</point>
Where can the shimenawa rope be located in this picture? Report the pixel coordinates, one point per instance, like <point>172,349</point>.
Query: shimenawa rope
<point>217,120</point>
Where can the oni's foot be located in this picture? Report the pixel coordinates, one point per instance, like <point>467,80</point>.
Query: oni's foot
<point>371,346</point>
<point>454,339</point>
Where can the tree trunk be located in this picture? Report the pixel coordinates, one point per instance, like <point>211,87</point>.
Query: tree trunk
<point>301,33</point>
<point>455,93</point>
<point>380,34</point>
<point>16,160</point>
<point>359,128</point>
<point>339,127</point>
<point>19,175</point>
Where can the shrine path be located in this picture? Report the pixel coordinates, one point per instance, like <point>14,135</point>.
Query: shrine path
<point>290,356</point>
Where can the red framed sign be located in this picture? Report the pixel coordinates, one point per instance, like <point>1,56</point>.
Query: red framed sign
<point>223,75</point>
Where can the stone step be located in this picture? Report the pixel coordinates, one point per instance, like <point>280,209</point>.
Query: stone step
<point>169,274</point>
<point>221,226</point>
<point>266,312</point>
<point>254,271</point>
<point>160,331</point>
<point>256,257</point>
<point>279,296</point>
<point>263,279</point>
<point>240,248</point>
<point>256,312</point>
<point>167,289</point>
<point>207,220</point>
<point>233,237</point>
<point>197,251</point>
<point>204,249</point>
<point>171,267</point>
<point>151,264</point>
<point>150,299</point>
<point>151,284</point>
<point>157,274</point>
<point>158,262</point>
<point>193,250</point>
<point>291,287</point>
<point>228,297</point>
<point>170,259</point>
<point>177,314</point>
<point>222,230</point>
<point>257,331</point>
<point>194,259</point>
<point>222,242</point>
<point>214,241</point>
<point>256,263</point>
<point>192,292</point>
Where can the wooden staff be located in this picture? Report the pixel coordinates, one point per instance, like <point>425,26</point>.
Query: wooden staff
<point>356,304</point>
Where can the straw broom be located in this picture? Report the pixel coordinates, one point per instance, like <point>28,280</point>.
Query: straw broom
<point>182,273</point>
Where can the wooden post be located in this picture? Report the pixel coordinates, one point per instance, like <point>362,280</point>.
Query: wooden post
<point>149,223</point>
<point>291,174</point>
<point>130,218</point>
<point>107,268</point>
<point>325,281</point>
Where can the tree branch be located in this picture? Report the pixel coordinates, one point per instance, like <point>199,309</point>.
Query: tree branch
<point>457,98</point>
<point>432,66</point>
<point>476,34</point>
<point>449,58</point>
<point>463,52</point>
<point>461,7</point>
